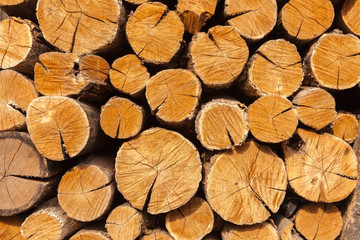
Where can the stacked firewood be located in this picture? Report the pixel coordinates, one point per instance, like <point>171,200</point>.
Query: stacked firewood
<point>183,120</point>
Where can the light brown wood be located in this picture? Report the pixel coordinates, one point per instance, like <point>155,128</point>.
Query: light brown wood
<point>319,221</point>
<point>261,231</point>
<point>24,9</point>
<point>157,234</point>
<point>86,191</point>
<point>61,127</point>
<point>128,75</point>
<point>345,126</point>
<point>91,234</point>
<point>245,182</point>
<point>272,118</point>
<point>173,96</point>
<point>49,221</point>
<point>81,26</point>
<point>285,228</point>
<point>323,169</point>
<point>124,223</point>
<point>218,56</point>
<point>253,19</point>
<point>121,118</point>
<point>136,2</point>
<point>350,16</point>
<point>167,174</point>
<point>195,13</point>
<point>192,221</point>
<point>10,228</point>
<point>150,28</point>
<point>16,93</point>
<point>315,107</point>
<point>222,124</point>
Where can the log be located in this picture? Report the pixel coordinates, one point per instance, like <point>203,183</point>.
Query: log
<point>151,27</point>
<point>173,96</point>
<point>222,124</point>
<point>272,119</point>
<point>136,2</point>
<point>319,221</point>
<point>323,168</point>
<point>253,19</point>
<point>158,171</point>
<point>86,191</point>
<point>305,21</point>
<point>192,221</point>
<point>157,234</point>
<point>350,16</point>
<point>345,126</point>
<point>25,175</point>
<point>61,127</point>
<point>80,26</point>
<point>315,107</point>
<point>260,231</point>
<point>121,118</point>
<point>218,56</point>
<point>24,9</point>
<point>129,75</point>
<point>49,221</point>
<point>91,233</point>
<point>10,228</point>
<point>285,228</point>
<point>246,183</point>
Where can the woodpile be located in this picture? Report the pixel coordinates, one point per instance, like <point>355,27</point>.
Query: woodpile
<point>179,119</point>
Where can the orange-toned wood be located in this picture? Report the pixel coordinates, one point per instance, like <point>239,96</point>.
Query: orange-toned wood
<point>345,126</point>
<point>91,233</point>
<point>350,16</point>
<point>157,234</point>
<point>260,231</point>
<point>10,228</point>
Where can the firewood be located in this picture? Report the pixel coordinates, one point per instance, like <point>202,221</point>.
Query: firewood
<point>319,221</point>
<point>157,234</point>
<point>121,118</point>
<point>136,2</point>
<point>245,182</point>
<point>80,26</point>
<point>305,21</point>
<point>19,8</point>
<point>24,174</point>
<point>195,14</point>
<point>221,124</point>
<point>272,118</point>
<point>10,228</point>
<point>49,221</point>
<point>173,96</point>
<point>260,231</point>
<point>315,107</point>
<point>124,223</point>
<point>61,127</point>
<point>91,233</point>
<point>350,16</point>
<point>86,192</point>
<point>128,75</point>
<point>285,228</point>
<point>253,19</point>
<point>150,28</point>
<point>345,126</point>
<point>158,171</point>
<point>323,169</point>
<point>192,221</point>
<point>218,57</point>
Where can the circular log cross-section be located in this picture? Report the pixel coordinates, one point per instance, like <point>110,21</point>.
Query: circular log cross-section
<point>10,228</point>
<point>150,28</point>
<point>61,127</point>
<point>345,126</point>
<point>221,124</point>
<point>272,118</point>
<point>173,95</point>
<point>157,235</point>
<point>253,19</point>
<point>192,221</point>
<point>324,169</point>
<point>261,231</point>
<point>350,16</point>
<point>218,57</point>
<point>319,221</point>
<point>158,171</point>
<point>90,234</point>
<point>244,183</point>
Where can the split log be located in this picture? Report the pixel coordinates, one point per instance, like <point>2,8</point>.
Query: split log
<point>24,174</point>
<point>157,234</point>
<point>218,57</point>
<point>334,61</point>
<point>61,127</point>
<point>24,9</point>
<point>323,169</point>
<point>128,75</point>
<point>350,16</point>
<point>173,96</point>
<point>315,107</point>
<point>192,221</point>
<point>319,221</point>
<point>150,28</point>
<point>345,126</point>
<point>16,93</point>
<point>121,118</point>
<point>79,26</point>
<point>86,191</point>
<point>10,228</point>
<point>49,221</point>
<point>195,13</point>
<point>261,231</point>
<point>158,171</point>
<point>91,233</point>
<point>253,19</point>
<point>305,21</point>
<point>285,228</point>
<point>272,118</point>
<point>245,183</point>
<point>222,124</point>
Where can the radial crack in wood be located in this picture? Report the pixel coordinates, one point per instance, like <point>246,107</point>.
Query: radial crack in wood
<point>261,231</point>
<point>345,126</point>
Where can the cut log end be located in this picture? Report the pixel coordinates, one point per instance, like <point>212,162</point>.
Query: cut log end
<point>349,15</point>
<point>90,234</point>
<point>157,234</point>
<point>345,126</point>
<point>10,228</point>
<point>255,232</point>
